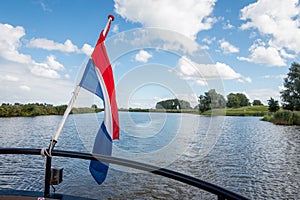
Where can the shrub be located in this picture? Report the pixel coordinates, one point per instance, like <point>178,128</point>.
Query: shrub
<point>283,117</point>
<point>296,118</point>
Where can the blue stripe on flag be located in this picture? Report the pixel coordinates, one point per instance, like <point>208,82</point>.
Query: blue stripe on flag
<point>90,80</point>
<point>103,141</point>
<point>103,146</point>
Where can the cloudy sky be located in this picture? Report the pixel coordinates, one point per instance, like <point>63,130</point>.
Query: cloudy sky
<point>158,49</point>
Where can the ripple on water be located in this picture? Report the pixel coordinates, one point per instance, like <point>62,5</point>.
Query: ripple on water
<point>256,159</point>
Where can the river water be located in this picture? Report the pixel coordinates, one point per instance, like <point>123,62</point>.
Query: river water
<point>256,159</point>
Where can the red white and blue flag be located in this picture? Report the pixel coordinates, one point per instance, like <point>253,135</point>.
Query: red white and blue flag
<point>98,79</point>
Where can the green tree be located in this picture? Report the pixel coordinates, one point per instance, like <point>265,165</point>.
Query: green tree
<point>204,103</point>
<point>244,101</point>
<point>211,100</point>
<point>233,101</point>
<point>60,109</point>
<point>184,104</point>
<point>217,100</point>
<point>27,110</point>
<point>273,105</point>
<point>173,104</point>
<point>257,103</point>
<point>291,94</point>
<point>94,106</point>
<point>237,100</point>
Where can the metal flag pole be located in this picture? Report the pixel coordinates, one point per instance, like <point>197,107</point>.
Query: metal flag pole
<point>74,96</point>
<point>48,152</point>
<point>64,118</point>
<point>107,27</point>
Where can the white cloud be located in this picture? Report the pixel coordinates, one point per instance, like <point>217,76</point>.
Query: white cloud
<point>10,42</point>
<point>209,40</point>
<point>48,69</point>
<point>115,28</point>
<point>67,46</point>
<point>200,73</point>
<point>224,71</point>
<point>263,94</point>
<point>36,89</point>
<point>277,19</point>
<point>30,87</point>
<point>67,76</point>
<point>53,64</point>
<point>43,70</point>
<point>51,45</point>
<point>264,55</point>
<point>284,54</point>
<point>25,88</point>
<point>281,76</point>
<point>20,74</point>
<point>228,48</point>
<point>204,47</point>
<point>87,49</point>
<point>185,17</point>
<point>248,79</point>
<point>142,56</point>
<point>228,25</point>
<point>201,82</point>
<point>151,38</point>
<point>244,79</point>
<point>9,78</point>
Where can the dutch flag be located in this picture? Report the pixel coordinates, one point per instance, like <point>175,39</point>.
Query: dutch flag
<point>98,79</point>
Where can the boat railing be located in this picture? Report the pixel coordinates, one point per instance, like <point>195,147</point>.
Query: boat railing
<point>209,187</point>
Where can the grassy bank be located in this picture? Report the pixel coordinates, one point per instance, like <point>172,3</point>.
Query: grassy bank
<point>86,110</point>
<point>243,111</point>
<point>284,117</point>
<point>193,111</point>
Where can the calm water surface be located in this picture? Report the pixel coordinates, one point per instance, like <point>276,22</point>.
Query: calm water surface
<point>253,158</point>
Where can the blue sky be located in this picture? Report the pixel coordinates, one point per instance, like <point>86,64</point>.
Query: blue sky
<point>158,49</point>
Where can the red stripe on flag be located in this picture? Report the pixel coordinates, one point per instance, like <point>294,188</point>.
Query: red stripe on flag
<point>101,61</point>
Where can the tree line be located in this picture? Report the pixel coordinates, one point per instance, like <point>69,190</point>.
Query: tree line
<point>30,109</point>
<point>213,100</point>
<point>173,104</point>
<point>290,96</point>
<point>36,109</point>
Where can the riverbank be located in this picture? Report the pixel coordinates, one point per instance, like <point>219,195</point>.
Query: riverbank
<point>36,109</point>
<point>192,111</point>
<point>242,111</point>
<point>283,117</point>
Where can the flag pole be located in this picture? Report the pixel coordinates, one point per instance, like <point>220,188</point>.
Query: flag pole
<point>107,27</point>
<point>74,96</point>
<point>48,152</point>
<point>64,118</point>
